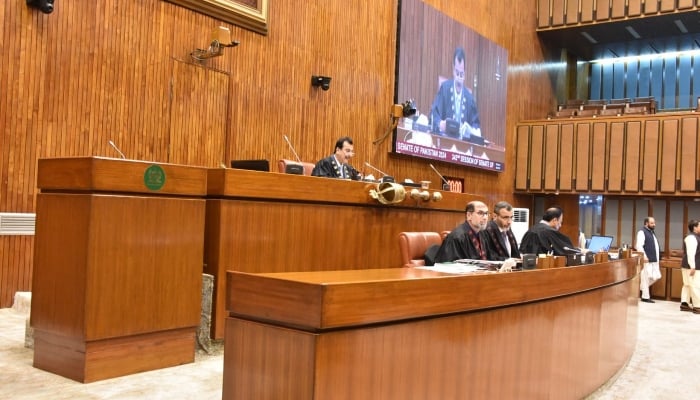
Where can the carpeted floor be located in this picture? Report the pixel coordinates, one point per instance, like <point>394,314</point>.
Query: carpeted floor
<point>659,369</point>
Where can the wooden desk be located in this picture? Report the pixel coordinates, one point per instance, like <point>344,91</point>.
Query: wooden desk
<point>270,222</point>
<point>408,333</point>
<point>117,266</point>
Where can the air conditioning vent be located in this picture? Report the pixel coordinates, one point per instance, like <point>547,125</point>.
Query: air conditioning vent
<point>521,222</point>
<point>17,223</point>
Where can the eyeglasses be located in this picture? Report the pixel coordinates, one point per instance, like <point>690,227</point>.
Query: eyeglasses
<point>481,213</point>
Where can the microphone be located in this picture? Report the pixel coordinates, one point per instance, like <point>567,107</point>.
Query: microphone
<point>577,251</point>
<point>286,139</point>
<point>111,143</point>
<point>385,177</point>
<point>445,184</point>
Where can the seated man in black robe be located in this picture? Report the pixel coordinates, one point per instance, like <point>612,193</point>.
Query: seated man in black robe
<point>544,237</point>
<point>337,164</point>
<point>500,241</point>
<point>466,241</point>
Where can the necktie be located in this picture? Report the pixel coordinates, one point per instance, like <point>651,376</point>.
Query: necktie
<point>506,241</point>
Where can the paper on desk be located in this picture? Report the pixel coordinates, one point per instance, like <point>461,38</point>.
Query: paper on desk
<point>455,268</point>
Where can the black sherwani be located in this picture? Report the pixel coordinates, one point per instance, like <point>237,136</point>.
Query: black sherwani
<point>328,167</point>
<point>542,238</point>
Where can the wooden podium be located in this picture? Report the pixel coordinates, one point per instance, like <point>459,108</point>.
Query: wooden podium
<point>270,222</point>
<point>117,273</point>
<point>405,333</point>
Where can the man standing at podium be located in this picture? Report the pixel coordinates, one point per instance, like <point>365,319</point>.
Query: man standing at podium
<point>647,242</point>
<point>465,241</point>
<point>337,164</point>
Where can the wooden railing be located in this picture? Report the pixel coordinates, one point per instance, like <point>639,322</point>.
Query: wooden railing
<point>648,155</point>
<point>563,13</point>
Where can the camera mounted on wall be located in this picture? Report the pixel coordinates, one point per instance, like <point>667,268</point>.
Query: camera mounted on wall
<point>45,6</point>
<point>323,81</point>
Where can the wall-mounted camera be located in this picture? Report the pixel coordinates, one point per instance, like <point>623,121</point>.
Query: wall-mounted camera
<point>323,81</point>
<point>45,6</point>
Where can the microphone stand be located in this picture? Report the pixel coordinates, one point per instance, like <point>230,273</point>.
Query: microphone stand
<point>385,177</point>
<point>445,184</point>
<point>292,148</point>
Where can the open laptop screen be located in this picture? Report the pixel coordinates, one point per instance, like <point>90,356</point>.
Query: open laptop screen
<point>600,243</point>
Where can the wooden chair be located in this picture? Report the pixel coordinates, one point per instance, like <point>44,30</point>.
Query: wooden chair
<point>413,246</point>
<point>291,167</point>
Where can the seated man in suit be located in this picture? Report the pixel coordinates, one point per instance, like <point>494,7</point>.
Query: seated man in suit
<point>454,112</point>
<point>337,164</point>
<point>544,237</point>
<point>500,240</point>
<point>466,241</point>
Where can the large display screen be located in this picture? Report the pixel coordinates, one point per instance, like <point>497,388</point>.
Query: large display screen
<point>457,79</point>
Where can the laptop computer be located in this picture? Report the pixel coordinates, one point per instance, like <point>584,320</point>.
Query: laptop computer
<point>254,165</point>
<point>600,243</point>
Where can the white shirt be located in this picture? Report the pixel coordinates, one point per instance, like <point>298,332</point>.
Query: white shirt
<point>691,246</point>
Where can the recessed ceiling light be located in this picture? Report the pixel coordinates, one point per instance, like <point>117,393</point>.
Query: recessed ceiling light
<point>589,37</point>
<point>633,32</point>
<point>681,26</point>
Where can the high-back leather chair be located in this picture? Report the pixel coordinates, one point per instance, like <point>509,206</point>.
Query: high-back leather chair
<point>307,167</point>
<point>413,246</point>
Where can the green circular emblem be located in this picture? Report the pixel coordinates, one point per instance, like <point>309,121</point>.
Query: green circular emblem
<point>154,177</point>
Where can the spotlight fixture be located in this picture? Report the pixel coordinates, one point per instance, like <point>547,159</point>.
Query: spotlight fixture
<point>405,110</point>
<point>323,81</point>
<point>45,6</point>
<point>220,38</point>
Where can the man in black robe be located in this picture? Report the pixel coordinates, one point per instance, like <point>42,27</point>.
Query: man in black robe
<point>544,237</point>
<point>466,241</point>
<point>500,241</point>
<point>337,164</point>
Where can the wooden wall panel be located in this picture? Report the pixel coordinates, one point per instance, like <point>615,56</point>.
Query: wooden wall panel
<point>602,10</point>
<point>543,13</point>
<point>682,4</point>
<point>587,10</point>
<point>197,136</point>
<point>583,145</point>
<point>572,12</point>
<point>615,156</point>
<point>119,82</point>
<point>551,157</point>
<point>669,151</point>
<point>522,149</point>
<point>566,157</point>
<point>667,5</point>
<point>632,149</point>
<point>536,157</point>
<point>651,7</point>
<point>617,9</point>
<point>634,8</point>
<point>688,155</point>
<point>598,156</point>
<point>650,156</point>
<point>558,9</point>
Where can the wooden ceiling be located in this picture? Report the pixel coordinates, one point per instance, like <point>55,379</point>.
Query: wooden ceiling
<point>655,35</point>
